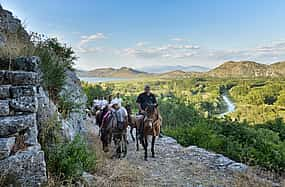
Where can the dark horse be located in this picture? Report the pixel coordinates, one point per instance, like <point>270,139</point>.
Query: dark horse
<point>151,127</point>
<point>110,128</point>
<point>134,123</point>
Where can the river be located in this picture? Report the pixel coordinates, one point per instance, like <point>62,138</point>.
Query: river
<point>230,105</point>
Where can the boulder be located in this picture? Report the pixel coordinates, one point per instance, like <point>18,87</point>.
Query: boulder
<point>2,40</point>
<point>238,167</point>
<point>13,124</point>
<point>26,64</point>
<point>20,91</point>
<point>25,168</point>
<point>4,91</point>
<point>3,77</point>
<point>88,179</point>
<point>24,104</point>
<point>6,145</point>
<point>4,108</point>
<point>22,78</point>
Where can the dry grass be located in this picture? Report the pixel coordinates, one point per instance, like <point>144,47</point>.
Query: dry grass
<point>113,172</point>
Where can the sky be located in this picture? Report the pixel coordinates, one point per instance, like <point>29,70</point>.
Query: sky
<point>147,33</point>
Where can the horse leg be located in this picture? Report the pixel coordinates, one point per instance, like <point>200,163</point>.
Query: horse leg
<point>124,145</point>
<point>132,133</point>
<point>152,146</point>
<point>138,147</point>
<point>145,148</point>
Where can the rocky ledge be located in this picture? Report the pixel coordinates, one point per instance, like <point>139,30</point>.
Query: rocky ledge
<point>21,158</point>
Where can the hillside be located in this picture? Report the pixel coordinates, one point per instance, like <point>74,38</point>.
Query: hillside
<point>175,73</point>
<point>248,69</point>
<point>278,67</point>
<point>164,69</point>
<point>123,72</point>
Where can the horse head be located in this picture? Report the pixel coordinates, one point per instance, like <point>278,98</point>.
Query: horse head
<point>129,109</point>
<point>151,109</point>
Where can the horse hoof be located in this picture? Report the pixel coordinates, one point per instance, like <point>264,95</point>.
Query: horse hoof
<point>145,159</point>
<point>152,156</point>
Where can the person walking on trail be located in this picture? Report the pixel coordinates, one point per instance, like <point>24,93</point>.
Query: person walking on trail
<point>144,99</point>
<point>121,112</point>
<point>118,97</point>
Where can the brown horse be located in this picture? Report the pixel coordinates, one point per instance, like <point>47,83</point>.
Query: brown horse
<point>151,127</point>
<point>110,129</point>
<point>132,121</point>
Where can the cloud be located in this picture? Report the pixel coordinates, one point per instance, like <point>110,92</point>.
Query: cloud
<point>141,44</point>
<point>179,40</point>
<point>265,54</point>
<point>164,51</point>
<point>89,49</point>
<point>84,44</point>
<point>268,53</point>
<point>92,38</point>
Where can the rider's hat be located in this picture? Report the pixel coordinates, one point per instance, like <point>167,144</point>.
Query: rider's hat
<point>115,102</point>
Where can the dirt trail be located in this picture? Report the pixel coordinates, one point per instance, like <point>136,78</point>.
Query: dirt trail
<point>173,166</point>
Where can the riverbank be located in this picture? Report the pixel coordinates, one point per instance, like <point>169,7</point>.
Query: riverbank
<point>229,104</point>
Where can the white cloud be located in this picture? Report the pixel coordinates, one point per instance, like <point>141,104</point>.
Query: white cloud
<point>84,47</point>
<point>164,51</point>
<point>179,40</point>
<point>92,38</point>
<point>141,44</point>
<point>89,49</point>
<point>265,54</point>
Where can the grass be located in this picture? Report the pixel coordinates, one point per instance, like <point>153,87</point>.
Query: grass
<point>119,173</point>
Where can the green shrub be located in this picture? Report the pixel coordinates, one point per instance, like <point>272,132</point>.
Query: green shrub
<point>66,105</point>
<point>56,58</point>
<point>93,91</point>
<point>68,160</point>
<point>261,145</point>
<point>49,132</point>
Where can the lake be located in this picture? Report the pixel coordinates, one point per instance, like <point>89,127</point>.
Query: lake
<point>101,79</point>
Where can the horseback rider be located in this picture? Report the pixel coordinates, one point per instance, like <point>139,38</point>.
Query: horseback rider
<point>144,99</point>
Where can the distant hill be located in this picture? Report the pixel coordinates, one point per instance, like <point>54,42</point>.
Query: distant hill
<point>279,68</point>
<point>123,72</point>
<point>164,69</point>
<point>227,69</point>
<point>248,69</point>
<point>175,73</point>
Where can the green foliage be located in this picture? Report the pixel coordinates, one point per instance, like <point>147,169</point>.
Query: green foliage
<point>66,105</point>
<point>53,73</point>
<point>68,160</point>
<point>95,91</point>
<point>56,58</point>
<point>49,133</point>
<point>184,102</point>
<point>261,145</point>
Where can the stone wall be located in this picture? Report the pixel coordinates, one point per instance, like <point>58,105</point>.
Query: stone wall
<point>21,158</point>
<point>11,28</point>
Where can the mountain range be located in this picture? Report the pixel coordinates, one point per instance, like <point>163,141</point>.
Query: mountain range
<point>123,72</point>
<point>248,69</point>
<point>165,69</point>
<point>227,69</point>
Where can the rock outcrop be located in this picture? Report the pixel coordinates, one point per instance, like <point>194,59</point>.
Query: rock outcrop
<point>21,158</point>
<point>11,27</point>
